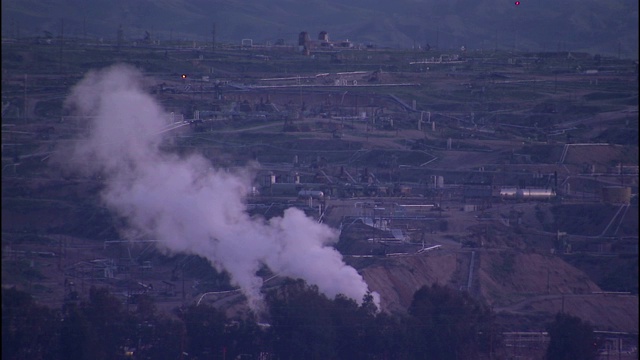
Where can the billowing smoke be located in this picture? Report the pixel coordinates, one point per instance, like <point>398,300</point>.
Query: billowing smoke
<point>187,203</point>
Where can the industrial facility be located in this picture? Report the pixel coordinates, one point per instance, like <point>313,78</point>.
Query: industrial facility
<point>503,175</point>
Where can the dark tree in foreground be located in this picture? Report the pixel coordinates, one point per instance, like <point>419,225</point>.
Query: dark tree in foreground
<point>571,338</point>
<point>448,324</point>
<point>307,325</point>
<point>206,334</point>
<point>111,327</point>
<point>303,324</point>
<point>75,333</point>
<point>28,329</point>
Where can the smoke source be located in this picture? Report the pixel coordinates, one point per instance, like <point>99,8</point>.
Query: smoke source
<point>189,205</point>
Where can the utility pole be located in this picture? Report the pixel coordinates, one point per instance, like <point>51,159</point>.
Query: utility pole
<point>213,37</point>
<point>548,283</point>
<point>183,293</point>
<point>120,37</point>
<point>24,115</point>
<point>61,41</point>
<point>618,50</point>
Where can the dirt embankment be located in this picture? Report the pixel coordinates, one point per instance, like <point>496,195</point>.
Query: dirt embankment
<point>507,276</point>
<point>539,286</point>
<point>396,279</point>
<point>526,288</point>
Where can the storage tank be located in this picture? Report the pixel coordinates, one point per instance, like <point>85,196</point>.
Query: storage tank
<point>535,194</point>
<point>437,181</point>
<point>508,193</point>
<point>269,179</point>
<point>303,38</point>
<point>616,194</point>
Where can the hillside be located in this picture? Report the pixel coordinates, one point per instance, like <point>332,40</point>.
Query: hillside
<point>525,290</point>
<point>593,26</point>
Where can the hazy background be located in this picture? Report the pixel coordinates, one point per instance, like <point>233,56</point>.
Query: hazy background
<point>607,27</point>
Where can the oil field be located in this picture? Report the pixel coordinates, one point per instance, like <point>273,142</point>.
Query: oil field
<point>512,177</point>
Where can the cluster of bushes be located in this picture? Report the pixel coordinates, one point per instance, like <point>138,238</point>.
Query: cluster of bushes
<point>299,323</point>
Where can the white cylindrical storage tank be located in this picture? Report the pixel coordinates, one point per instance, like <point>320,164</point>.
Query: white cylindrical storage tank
<point>267,179</point>
<point>537,193</point>
<point>439,182</point>
<point>508,193</point>
<point>272,178</point>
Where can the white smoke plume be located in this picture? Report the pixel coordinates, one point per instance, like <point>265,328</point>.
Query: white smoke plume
<point>189,205</point>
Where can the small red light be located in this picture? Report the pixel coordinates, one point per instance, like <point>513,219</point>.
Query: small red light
<point>517,3</point>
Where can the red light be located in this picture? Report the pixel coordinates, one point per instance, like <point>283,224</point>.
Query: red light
<point>517,3</point>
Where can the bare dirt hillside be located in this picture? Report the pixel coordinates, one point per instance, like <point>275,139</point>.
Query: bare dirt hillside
<point>526,289</point>
<point>397,279</point>
<point>536,285</point>
<point>506,277</point>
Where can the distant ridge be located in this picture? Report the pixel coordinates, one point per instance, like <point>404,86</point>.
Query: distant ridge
<point>593,26</point>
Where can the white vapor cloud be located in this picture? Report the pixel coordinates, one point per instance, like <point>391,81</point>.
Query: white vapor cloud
<point>189,205</point>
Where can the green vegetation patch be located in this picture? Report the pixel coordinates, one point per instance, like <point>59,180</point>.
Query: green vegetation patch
<point>504,266</point>
<point>583,219</point>
<point>544,154</point>
<point>618,136</point>
<point>610,273</point>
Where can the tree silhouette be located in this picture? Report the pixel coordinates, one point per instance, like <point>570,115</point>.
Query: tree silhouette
<point>111,328</point>
<point>571,338</point>
<point>205,327</point>
<point>447,324</point>
<point>75,333</point>
<point>304,324</point>
<point>28,329</point>
<point>301,322</point>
